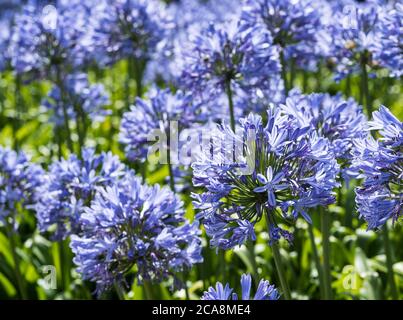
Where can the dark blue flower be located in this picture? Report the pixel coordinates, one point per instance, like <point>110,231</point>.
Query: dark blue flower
<point>265,291</point>
<point>133,225</point>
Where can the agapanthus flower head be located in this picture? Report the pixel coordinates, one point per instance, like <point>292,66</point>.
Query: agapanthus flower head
<point>294,25</point>
<point>77,97</point>
<point>155,112</point>
<point>70,186</point>
<point>265,291</point>
<point>230,55</point>
<point>19,180</point>
<point>130,225</point>
<point>390,53</point>
<point>355,38</point>
<point>340,121</point>
<point>380,166</point>
<point>129,28</point>
<point>50,39</point>
<point>278,169</point>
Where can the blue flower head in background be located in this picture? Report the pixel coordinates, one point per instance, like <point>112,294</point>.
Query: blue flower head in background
<point>278,169</point>
<point>78,98</point>
<point>265,291</point>
<point>293,24</point>
<point>380,166</point>
<point>50,40</point>
<point>390,53</point>
<point>19,180</point>
<point>338,120</point>
<point>356,37</point>
<point>155,113</point>
<point>230,57</point>
<point>128,28</point>
<point>131,226</point>
<point>69,187</point>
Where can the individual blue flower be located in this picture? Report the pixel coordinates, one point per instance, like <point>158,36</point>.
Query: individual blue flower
<point>140,124</point>
<point>294,25</point>
<point>19,180</point>
<point>265,291</point>
<point>379,164</point>
<point>76,97</point>
<point>70,186</point>
<point>128,28</point>
<point>225,58</point>
<point>339,120</point>
<point>390,53</point>
<point>130,225</point>
<point>51,40</point>
<point>355,33</point>
<point>279,170</point>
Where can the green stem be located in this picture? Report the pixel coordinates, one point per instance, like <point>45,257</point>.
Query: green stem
<point>325,224</point>
<point>60,84</point>
<point>279,264</point>
<point>19,278</point>
<point>364,87</point>
<point>221,261</point>
<point>139,66</point>
<point>252,258</point>
<point>119,291</point>
<point>64,265</point>
<point>284,72</point>
<point>389,263</point>
<point>171,174</point>
<point>316,259</point>
<point>228,90</point>
<point>147,290</point>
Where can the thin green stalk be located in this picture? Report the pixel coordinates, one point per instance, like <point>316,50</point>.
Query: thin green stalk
<point>221,262</point>
<point>325,224</point>
<point>18,275</point>
<point>284,72</point>
<point>148,292</point>
<point>316,259</point>
<point>389,263</point>
<point>119,292</point>
<point>364,94</point>
<point>251,250</point>
<point>64,261</point>
<point>228,90</point>
<point>171,174</point>
<point>279,264</point>
<point>138,66</point>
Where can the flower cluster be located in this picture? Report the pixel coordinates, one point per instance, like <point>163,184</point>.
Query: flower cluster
<point>380,164</point>
<point>294,25</point>
<point>138,125</point>
<point>264,291</point>
<point>19,180</point>
<point>279,169</point>
<point>74,97</point>
<point>340,121</point>
<point>125,28</point>
<point>51,40</point>
<point>134,225</point>
<point>355,38</point>
<point>70,186</point>
<point>230,57</point>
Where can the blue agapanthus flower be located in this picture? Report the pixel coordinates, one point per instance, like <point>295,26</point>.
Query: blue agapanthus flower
<point>232,55</point>
<point>19,180</point>
<point>390,53</point>
<point>294,25</point>
<point>356,37</point>
<point>77,97</point>
<point>265,291</point>
<point>130,226</point>
<point>140,124</point>
<point>278,169</point>
<point>380,165</point>
<point>51,39</point>
<point>339,120</point>
<point>69,187</point>
<point>128,28</point>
